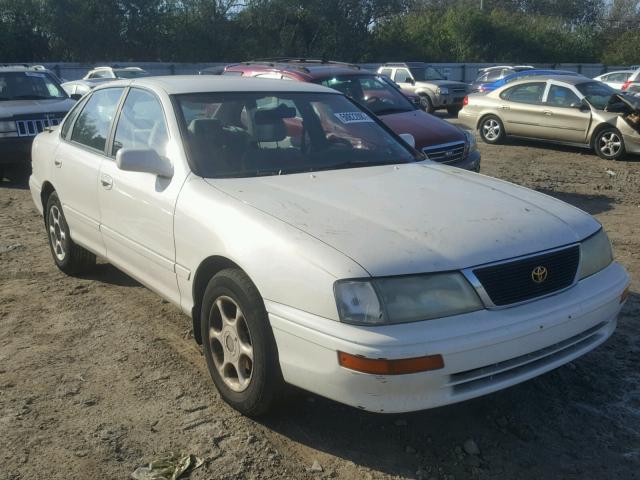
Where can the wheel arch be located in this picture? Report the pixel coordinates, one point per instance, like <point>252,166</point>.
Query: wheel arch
<point>45,192</point>
<point>209,267</point>
<point>599,128</point>
<point>484,115</point>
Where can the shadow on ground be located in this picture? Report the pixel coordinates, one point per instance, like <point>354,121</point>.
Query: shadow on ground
<point>591,203</point>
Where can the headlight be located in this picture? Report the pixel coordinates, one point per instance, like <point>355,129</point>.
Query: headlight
<point>472,145</point>
<point>595,254</point>
<point>8,127</point>
<point>405,299</point>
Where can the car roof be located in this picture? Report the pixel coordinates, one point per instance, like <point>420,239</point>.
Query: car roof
<point>617,71</point>
<point>21,68</point>
<point>568,79</point>
<point>179,84</point>
<point>306,69</point>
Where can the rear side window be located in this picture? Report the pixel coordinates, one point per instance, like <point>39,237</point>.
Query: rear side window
<point>141,124</point>
<point>386,72</point>
<point>525,93</point>
<point>93,124</point>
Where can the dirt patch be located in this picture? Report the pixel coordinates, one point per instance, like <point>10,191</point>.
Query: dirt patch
<point>98,375</point>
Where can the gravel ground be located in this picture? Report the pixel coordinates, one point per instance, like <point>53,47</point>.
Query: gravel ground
<point>98,375</point>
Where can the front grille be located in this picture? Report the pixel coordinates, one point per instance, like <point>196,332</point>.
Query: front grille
<point>30,128</point>
<point>508,370</point>
<point>446,152</point>
<point>459,91</point>
<point>513,282</point>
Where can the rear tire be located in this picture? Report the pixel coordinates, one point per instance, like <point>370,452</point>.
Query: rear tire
<point>238,343</point>
<point>491,130</point>
<point>609,144</point>
<point>453,111</point>
<point>69,257</point>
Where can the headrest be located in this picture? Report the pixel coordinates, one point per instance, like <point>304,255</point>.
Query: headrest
<point>272,115</point>
<point>202,127</point>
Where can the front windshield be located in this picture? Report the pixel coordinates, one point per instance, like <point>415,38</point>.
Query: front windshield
<point>597,94</point>
<point>371,92</point>
<point>130,73</point>
<point>425,74</point>
<point>28,86</point>
<point>249,134</point>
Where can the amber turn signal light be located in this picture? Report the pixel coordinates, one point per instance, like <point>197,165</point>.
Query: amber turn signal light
<point>382,366</point>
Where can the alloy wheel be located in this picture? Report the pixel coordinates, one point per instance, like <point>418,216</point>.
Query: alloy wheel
<point>491,129</point>
<point>610,144</point>
<point>231,346</point>
<point>57,233</point>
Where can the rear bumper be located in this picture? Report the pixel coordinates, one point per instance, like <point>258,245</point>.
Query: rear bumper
<point>483,351</point>
<point>469,120</point>
<point>15,150</point>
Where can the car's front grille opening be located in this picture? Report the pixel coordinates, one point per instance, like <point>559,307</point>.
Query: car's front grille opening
<point>531,277</point>
<point>445,153</point>
<point>30,128</point>
<point>479,378</point>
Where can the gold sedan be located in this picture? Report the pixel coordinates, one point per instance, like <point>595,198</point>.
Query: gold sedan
<point>562,109</point>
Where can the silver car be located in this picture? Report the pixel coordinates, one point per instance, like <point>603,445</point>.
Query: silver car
<point>434,90</point>
<point>615,80</point>
<point>562,109</point>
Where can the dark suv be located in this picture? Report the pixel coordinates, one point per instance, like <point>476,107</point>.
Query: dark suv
<point>30,101</point>
<point>438,139</point>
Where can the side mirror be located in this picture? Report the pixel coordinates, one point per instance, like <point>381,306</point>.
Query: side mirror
<point>583,106</point>
<point>146,161</point>
<point>411,81</point>
<point>408,139</point>
<point>75,96</point>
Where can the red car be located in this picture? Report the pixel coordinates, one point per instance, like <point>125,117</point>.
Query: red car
<point>439,140</point>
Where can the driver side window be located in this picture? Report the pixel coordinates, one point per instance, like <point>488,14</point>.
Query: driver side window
<point>402,75</point>
<point>141,124</point>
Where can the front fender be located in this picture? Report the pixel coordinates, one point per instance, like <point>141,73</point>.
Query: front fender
<point>287,265</point>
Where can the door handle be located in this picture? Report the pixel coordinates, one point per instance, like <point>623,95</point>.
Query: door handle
<point>547,112</point>
<point>506,107</point>
<point>57,162</point>
<point>106,181</point>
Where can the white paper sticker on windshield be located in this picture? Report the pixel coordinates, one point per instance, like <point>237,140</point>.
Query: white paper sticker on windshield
<point>353,117</point>
<point>32,74</point>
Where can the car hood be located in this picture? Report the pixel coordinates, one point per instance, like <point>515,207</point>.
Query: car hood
<point>20,108</point>
<point>414,218</point>
<point>427,130</point>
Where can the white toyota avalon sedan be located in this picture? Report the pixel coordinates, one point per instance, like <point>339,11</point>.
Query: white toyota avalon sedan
<point>313,246</point>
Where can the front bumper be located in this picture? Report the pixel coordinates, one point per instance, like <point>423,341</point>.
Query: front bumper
<point>483,351</point>
<point>449,100</point>
<point>15,150</point>
<point>470,162</point>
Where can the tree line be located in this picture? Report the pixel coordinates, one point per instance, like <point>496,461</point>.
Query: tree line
<point>545,31</point>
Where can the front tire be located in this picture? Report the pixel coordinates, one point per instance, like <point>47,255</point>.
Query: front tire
<point>426,104</point>
<point>492,130</point>
<point>238,343</point>
<point>609,144</point>
<point>69,257</point>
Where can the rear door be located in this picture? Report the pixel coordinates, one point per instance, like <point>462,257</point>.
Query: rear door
<point>77,161</point>
<point>137,208</point>
<point>566,118</point>
<point>521,109</point>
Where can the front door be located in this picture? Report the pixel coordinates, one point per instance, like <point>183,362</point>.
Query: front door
<point>137,208</point>
<point>567,118</point>
<point>77,161</point>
